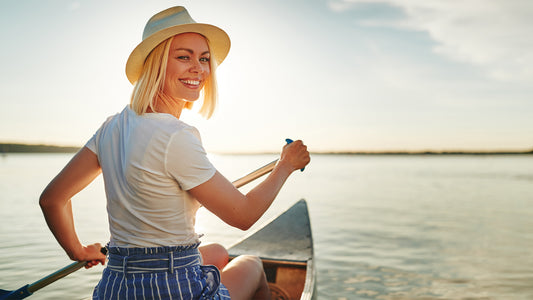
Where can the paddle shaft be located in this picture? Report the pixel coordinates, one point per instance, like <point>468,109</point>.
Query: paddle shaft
<point>73,267</point>
<point>29,289</point>
<point>259,172</point>
<point>255,174</point>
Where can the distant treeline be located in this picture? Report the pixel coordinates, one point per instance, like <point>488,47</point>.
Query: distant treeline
<point>25,148</point>
<point>428,153</point>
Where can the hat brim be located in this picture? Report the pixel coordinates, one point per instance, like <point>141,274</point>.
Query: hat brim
<point>218,41</point>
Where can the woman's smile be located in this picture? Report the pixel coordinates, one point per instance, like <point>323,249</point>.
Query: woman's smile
<point>194,84</point>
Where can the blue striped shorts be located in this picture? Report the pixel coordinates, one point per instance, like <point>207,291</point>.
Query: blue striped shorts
<point>159,273</point>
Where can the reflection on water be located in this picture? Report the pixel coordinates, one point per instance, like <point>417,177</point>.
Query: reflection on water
<point>385,227</point>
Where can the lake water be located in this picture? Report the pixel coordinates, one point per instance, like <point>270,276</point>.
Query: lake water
<point>385,227</point>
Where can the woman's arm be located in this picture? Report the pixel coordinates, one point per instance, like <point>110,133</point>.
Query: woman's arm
<point>220,197</point>
<point>57,207</point>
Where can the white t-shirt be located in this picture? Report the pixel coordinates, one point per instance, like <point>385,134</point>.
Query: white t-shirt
<point>148,163</point>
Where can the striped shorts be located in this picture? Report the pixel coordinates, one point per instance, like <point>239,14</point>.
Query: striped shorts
<point>159,273</point>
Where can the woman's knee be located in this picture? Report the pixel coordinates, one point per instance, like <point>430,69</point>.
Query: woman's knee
<point>253,260</point>
<point>246,264</point>
<point>250,264</point>
<point>214,254</point>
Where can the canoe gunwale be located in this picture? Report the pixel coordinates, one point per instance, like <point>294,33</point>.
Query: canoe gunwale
<point>310,282</point>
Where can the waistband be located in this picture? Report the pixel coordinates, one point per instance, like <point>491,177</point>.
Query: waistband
<point>153,259</point>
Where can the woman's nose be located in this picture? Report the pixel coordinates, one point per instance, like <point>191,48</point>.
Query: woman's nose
<point>198,67</point>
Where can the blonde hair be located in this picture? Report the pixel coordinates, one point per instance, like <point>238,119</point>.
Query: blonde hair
<point>152,78</point>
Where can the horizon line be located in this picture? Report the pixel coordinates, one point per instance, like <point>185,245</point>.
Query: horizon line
<point>50,148</point>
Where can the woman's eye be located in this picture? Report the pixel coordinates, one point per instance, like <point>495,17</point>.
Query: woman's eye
<point>183,57</point>
<point>205,59</point>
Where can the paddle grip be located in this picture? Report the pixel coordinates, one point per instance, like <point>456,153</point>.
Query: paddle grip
<point>288,142</point>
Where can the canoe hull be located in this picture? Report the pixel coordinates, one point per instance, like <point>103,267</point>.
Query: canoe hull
<point>285,246</point>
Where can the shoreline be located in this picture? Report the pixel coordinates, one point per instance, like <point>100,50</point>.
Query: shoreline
<point>392,153</point>
<point>428,153</point>
<point>6,148</point>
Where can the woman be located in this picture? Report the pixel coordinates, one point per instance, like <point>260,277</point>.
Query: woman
<point>157,175</point>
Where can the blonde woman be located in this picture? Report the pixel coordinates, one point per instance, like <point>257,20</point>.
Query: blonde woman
<point>157,175</point>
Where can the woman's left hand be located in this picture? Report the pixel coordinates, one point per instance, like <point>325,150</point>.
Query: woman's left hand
<point>93,255</point>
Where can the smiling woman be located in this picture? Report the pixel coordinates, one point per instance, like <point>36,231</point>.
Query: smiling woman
<point>157,175</point>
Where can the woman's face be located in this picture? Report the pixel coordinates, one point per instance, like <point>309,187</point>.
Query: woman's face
<point>188,66</point>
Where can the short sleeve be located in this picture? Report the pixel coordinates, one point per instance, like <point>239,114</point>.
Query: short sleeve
<point>91,144</point>
<point>186,160</point>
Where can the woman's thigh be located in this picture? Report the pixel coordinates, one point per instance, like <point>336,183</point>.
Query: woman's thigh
<point>244,277</point>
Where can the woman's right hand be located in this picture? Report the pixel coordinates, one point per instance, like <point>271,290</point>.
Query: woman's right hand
<point>295,155</point>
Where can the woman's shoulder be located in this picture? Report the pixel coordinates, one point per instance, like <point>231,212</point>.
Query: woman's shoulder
<point>165,126</point>
<point>169,124</point>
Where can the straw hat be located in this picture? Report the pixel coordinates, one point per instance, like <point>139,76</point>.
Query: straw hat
<point>168,23</point>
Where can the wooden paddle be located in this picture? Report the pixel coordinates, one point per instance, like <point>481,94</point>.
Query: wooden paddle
<point>29,289</point>
<point>259,172</point>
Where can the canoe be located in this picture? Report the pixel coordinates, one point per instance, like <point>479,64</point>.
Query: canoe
<point>285,245</point>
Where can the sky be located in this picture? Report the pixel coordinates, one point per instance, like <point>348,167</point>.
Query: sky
<point>342,75</point>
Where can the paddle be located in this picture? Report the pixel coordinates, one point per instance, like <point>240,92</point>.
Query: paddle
<point>29,289</point>
<point>259,172</point>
